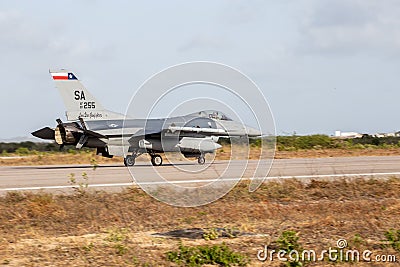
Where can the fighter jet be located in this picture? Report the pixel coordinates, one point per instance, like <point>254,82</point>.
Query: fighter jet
<point>113,134</point>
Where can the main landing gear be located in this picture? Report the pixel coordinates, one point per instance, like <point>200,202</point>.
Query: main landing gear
<point>156,160</point>
<point>129,161</point>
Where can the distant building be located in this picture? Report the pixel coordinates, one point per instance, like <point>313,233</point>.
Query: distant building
<point>341,134</point>
<point>379,135</point>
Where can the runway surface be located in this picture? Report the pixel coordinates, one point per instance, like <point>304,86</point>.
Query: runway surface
<point>57,177</point>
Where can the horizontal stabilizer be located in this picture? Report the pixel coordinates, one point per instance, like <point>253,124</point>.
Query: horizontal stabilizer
<point>93,134</point>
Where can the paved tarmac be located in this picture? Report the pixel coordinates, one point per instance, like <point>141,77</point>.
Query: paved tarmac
<point>57,177</point>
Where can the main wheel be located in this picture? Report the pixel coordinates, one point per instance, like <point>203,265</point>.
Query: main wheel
<point>156,160</point>
<point>129,161</point>
<point>201,160</point>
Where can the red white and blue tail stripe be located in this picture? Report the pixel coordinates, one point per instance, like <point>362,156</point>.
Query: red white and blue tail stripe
<point>63,76</point>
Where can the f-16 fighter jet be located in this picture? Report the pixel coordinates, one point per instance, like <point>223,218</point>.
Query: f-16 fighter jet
<point>113,134</point>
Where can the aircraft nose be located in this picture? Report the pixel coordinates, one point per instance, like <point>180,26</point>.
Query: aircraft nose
<point>252,132</point>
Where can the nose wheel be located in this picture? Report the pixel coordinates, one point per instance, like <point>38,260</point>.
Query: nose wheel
<point>156,160</point>
<point>201,160</point>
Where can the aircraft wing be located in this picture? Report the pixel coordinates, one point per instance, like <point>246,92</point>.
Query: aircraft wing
<point>177,130</point>
<point>142,132</point>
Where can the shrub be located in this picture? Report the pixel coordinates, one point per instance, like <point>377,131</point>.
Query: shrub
<point>289,241</point>
<point>200,255</point>
<point>316,141</point>
<point>22,151</point>
<point>393,237</point>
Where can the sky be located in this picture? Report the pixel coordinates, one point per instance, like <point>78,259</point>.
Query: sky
<point>322,65</point>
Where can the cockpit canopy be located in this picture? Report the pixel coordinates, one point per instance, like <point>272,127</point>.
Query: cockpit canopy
<point>212,114</point>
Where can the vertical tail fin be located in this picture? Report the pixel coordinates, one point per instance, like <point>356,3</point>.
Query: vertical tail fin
<point>78,101</point>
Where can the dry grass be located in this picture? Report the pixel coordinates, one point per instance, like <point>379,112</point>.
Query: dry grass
<point>57,158</point>
<point>336,152</point>
<point>115,229</point>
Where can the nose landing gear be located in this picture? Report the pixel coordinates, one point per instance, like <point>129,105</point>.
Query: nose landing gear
<point>201,160</point>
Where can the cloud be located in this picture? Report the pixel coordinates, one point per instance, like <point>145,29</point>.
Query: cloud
<point>21,34</point>
<point>204,42</point>
<point>242,11</point>
<point>17,32</point>
<point>348,27</point>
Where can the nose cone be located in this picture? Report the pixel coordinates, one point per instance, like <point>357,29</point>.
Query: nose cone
<point>252,132</point>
